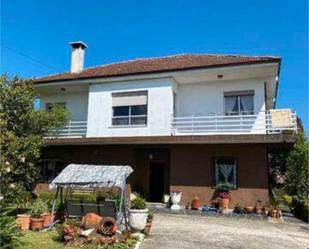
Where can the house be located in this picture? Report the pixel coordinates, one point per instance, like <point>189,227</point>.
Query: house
<point>184,122</point>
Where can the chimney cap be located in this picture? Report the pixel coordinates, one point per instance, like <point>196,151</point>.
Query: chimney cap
<point>76,44</point>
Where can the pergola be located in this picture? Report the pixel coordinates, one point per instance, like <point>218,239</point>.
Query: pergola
<point>93,176</point>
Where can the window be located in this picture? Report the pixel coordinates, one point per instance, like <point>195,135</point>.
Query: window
<point>129,108</point>
<point>51,168</point>
<point>239,103</point>
<point>225,171</point>
<point>49,106</point>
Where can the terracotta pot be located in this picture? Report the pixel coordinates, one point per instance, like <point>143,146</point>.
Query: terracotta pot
<point>273,213</point>
<point>23,221</point>
<point>36,224</point>
<point>249,209</point>
<point>195,204</point>
<point>47,219</point>
<point>259,210</point>
<point>224,203</point>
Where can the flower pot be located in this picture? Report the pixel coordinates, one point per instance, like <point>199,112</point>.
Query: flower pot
<point>175,198</point>
<point>259,210</point>
<point>273,213</point>
<point>36,224</point>
<point>138,218</point>
<point>249,209</point>
<point>166,199</point>
<point>195,204</point>
<point>224,203</point>
<point>47,219</point>
<point>23,221</point>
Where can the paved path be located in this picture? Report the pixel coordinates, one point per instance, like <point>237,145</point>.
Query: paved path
<point>193,232</point>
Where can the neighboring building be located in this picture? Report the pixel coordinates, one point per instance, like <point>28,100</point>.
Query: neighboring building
<point>182,122</point>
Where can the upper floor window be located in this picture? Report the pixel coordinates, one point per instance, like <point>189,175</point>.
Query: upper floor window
<point>238,103</point>
<point>49,106</point>
<point>129,108</point>
<point>225,171</point>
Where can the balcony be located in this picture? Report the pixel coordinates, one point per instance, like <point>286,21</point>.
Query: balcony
<point>270,122</point>
<point>72,129</point>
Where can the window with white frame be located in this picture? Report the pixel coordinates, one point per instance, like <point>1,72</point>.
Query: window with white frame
<point>50,106</point>
<point>239,103</point>
<point>129,108</point>
<point>225,171</point>
<point>51,168</point>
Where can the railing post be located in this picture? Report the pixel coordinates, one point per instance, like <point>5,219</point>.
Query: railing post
<point>192,125</point>
<point>69,128</point>
<point>241,121</point>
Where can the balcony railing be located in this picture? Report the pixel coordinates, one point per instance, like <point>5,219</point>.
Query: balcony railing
<point>261,123</point>
<point>72,129</point>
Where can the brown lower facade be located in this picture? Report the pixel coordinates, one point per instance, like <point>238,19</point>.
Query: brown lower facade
<point>190,168</point>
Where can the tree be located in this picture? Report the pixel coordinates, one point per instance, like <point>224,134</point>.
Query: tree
<point>298,168</point>
<point>23,129</point>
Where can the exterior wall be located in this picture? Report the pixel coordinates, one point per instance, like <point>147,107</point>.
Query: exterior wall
<point>160,109</point>
<point>189,167</point>
<point>208,97</point>
<point>192,172</point>
<point>76,103</point>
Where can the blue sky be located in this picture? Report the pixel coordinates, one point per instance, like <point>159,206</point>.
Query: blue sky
<point>121,30</point>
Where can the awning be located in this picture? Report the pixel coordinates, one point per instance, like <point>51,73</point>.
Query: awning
<point>92,176</point>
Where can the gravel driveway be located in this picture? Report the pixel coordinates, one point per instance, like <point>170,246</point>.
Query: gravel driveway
<point>193,232</point>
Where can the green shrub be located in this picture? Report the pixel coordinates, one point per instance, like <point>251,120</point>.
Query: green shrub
<point>223,187</point>
<point>301,208</point>
<point>138,203</point>
<point>9,233</point>
<point>37,208</point>
<point>287,199</point>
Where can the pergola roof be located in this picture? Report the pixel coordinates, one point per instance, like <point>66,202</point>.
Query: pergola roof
<point>92,176</point>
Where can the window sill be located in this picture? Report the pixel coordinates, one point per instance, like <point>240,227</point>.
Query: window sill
<point>127,126</point>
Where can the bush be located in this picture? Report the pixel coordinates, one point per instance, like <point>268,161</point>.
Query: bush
<point>287,199</point>
<point>223,187</point>
<point>138,203</point>
<point>37,208</point>
<point>297,168</point>
<point>9,233</point>
<point>301,208</point>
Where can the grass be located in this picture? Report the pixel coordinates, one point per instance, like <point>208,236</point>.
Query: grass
<point>42,240</point>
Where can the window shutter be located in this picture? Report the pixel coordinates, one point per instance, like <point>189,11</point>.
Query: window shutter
<point>129,98</point>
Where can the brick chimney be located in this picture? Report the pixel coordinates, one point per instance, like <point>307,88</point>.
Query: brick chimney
<point>78,56</point>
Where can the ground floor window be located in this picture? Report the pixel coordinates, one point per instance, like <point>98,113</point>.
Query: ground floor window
<point>225,171</point>
<point>51,168</point>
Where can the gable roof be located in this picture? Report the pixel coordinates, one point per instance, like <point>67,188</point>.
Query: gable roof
<point>158,65</point>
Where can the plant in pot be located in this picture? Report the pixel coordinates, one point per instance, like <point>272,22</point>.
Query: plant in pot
<point>175,198</point>
<point>138,214</point>
<point>224,193</point>
<point>38,207</point>
<point>238,209</point>
<point>258,207</point>
<point>195,203</point>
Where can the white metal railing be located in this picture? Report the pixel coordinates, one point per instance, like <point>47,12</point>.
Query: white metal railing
<point>72,129</point>
<point>260,123</point>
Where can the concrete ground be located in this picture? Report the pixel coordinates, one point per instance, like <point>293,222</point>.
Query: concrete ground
<point>193,232</point>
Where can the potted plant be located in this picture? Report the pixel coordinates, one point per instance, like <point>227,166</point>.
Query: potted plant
<point>224,193</point>
<point>38,207</point>
<point>175,198</point>
<point>138,214</point>
<point>195,203</point>
<point>238,209</point>
<point>259,207</point>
